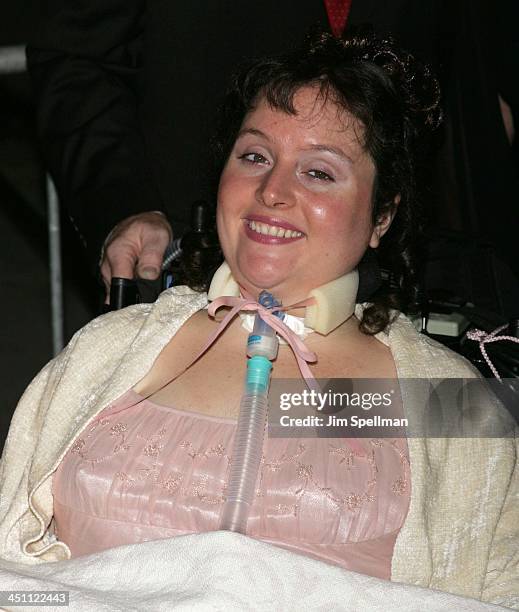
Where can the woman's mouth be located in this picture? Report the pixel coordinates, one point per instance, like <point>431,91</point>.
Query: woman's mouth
<point>270,233</point>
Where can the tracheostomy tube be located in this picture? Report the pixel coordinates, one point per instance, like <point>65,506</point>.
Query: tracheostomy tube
<point>262,348</point>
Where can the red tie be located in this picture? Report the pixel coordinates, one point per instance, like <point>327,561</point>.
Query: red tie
<point>338,11</point>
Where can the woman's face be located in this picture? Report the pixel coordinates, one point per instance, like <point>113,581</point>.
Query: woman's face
<point>295,198</point>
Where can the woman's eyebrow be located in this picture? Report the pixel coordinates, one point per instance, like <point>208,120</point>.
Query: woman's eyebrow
<point>253,131</point>
<point>331,149</point>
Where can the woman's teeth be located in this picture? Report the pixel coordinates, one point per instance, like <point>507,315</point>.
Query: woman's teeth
<point>273,230</point>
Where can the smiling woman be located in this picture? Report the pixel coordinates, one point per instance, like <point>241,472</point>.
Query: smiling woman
<point>128,435</point>
<point>295,198</point>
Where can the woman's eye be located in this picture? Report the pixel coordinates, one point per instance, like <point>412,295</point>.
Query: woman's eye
<point>253,158</point>
<point>320,175</point>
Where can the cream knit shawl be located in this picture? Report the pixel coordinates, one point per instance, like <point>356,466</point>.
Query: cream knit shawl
<point>462,531</point>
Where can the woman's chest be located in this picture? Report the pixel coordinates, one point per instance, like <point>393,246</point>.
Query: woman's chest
<point>161,467</point>
<point>215,384</point>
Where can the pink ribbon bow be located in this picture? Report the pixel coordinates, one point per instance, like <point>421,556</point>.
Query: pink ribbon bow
<point>483,338</point>
<point>302,354</point>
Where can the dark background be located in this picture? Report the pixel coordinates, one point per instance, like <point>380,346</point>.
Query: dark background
<point>24,282</point>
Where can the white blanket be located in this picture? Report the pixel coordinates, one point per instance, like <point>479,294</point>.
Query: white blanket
<point>219,571</point>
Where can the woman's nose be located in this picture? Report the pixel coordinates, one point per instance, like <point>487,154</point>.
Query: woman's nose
<point>276,188</point>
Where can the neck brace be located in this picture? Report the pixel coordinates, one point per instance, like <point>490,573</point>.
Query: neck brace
<point>333,304</point>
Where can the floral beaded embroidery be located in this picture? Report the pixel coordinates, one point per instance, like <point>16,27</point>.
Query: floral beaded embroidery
<point>77,447</point>
<point>172,483</point>
<point>197,489</point>
<point>119,429</point>
<point>152,450</point>
<point>401,485</point>
<point>218,451</point>
<point>352,501</point>
<point>152,447</point>
<point>347,455</point>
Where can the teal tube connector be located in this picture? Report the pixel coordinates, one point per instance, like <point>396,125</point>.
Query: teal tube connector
<point>258,374</point>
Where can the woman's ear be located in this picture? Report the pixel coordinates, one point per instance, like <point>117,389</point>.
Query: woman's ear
<point>384,223</point>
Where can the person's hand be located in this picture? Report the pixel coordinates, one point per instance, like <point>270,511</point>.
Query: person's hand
<point>135,247</point>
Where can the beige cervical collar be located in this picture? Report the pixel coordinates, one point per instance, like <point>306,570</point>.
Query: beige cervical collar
<point>334,301</point>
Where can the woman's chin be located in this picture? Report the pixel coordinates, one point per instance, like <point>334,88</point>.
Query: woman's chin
<point>272,282</point>
<point>275,275</point>
<point>284,292</point>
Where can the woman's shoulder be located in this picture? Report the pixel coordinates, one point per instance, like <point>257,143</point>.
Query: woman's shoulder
<point>134,333</point>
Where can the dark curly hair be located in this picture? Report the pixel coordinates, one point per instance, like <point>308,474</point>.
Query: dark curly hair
<point>396,99</point>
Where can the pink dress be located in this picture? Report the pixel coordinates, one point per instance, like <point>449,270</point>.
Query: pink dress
<point>140,471</point>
